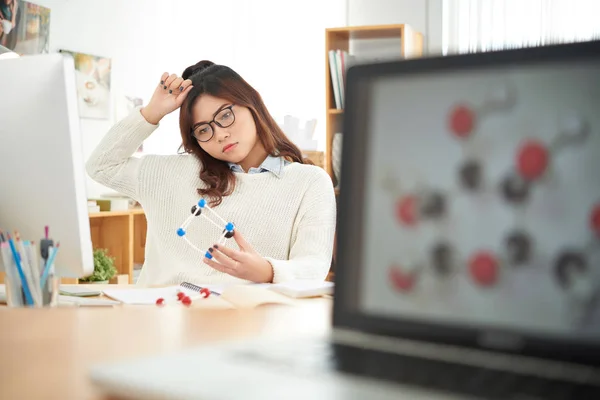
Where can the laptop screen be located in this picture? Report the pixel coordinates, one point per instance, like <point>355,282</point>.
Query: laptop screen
<point>480,197</point>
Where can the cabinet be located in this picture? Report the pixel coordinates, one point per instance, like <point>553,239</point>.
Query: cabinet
<point>123,234</point>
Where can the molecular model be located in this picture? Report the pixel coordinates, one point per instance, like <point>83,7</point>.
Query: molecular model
<point>227,227</point>
<point>531,161</point>
<point>182,298</point>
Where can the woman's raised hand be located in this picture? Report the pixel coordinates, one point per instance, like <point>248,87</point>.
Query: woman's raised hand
<point>167,97</point>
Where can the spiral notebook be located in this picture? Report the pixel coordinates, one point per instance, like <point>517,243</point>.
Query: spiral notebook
<point>147,296</point>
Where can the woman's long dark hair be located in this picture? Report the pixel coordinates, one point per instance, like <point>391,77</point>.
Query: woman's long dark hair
<point>221,81</point>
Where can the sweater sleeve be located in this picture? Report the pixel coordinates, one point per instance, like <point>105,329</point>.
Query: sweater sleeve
<point>112,163</point>
<point>312,244</point>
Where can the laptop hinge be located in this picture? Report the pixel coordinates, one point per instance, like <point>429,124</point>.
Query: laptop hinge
<point>475,357</point>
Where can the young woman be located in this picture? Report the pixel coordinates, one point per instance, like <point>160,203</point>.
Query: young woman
<point>240,162</point>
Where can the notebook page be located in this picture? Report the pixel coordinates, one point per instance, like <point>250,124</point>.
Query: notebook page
<point>148,296</point>
<point>250,296</point>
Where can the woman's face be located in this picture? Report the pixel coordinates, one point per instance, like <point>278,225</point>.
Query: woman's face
<point>224,130</point>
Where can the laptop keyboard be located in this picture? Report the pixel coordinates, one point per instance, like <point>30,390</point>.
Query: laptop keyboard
<point>432,374</point>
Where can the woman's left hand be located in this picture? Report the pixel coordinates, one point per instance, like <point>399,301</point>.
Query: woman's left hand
<point>244,263</point>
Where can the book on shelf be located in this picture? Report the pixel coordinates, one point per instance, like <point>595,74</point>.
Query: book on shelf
<point>364,51</point>
<point>339,62</point>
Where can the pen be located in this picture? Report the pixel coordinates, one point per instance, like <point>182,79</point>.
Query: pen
<point>49,265</point>
<point>23,248</point>
<point>34,271</point>
<point>28,297</point>
<point>45,244</point>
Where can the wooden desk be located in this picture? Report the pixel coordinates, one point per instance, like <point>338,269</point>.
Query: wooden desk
<point>47,353</point>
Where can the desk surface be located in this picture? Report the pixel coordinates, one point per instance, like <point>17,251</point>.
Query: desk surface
<point>46,353</point>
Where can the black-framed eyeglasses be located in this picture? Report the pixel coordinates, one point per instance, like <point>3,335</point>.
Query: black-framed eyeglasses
<point>203,132</point>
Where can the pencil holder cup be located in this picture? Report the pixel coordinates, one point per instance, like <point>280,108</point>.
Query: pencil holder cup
<point>24,288</point>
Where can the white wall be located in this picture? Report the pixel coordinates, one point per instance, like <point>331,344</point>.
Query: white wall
<point>277,46</point>
<point>423,15</point>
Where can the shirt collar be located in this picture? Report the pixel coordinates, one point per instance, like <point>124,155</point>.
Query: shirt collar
<point>273,164</point>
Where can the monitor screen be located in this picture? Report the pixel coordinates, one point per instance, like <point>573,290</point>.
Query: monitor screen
<point>482,199</point>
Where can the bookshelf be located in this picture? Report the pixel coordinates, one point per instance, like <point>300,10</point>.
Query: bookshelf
<point>405,43</point>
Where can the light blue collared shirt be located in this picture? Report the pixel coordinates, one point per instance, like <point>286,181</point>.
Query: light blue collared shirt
<point>271,164</point>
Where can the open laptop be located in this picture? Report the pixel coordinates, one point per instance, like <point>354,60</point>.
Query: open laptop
<point>468,244</point>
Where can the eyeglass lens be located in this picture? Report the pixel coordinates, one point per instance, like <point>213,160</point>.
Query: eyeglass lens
<point>224,118</point>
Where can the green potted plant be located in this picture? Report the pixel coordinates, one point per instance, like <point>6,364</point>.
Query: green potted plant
<point>104,268</point>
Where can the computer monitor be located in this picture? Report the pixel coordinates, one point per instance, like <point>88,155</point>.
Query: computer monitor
<point>42,172</point>
<point>470,201</point>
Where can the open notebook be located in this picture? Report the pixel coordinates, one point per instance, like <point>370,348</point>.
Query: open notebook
<point>233,296</point>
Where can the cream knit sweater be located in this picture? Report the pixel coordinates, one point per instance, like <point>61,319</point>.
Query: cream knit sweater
<point>289,220</point>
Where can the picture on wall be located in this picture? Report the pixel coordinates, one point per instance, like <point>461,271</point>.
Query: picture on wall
<point>24,27</point>
<point>93,84</point>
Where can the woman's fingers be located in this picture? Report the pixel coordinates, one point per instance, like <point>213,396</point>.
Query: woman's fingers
<point>218,267</point>
<point>169,80</point>
<point>181,97</point>
<point>241,241</point>
<point>163,79</point>
<point>222,258</point>
<point>231,253</point>
<point>175,85</point>
<point>184,85</point>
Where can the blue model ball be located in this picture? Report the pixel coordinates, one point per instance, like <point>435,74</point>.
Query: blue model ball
<point>208,255</point>
<point>202,203</point>
<point>181,232</point>
<point>229,226</point>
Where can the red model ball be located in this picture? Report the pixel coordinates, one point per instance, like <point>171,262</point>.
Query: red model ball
<point>406,210</point>
<point>160,302</point>
<point>402,281</point>
<point>186,301</point>
<point>532,160</point>
<point>595,219</point>
<point>483,267</point>
<point>205,292</point>
<point>462,121</point>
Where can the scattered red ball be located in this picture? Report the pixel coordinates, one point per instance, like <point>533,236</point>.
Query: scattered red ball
<point>205,292</point>
<point>484,268</point>
<point>406,210</point>
<point>160,301</point>
<point>595,219</point>
<point>532,160</point>
<point>402,281</point>
<point>462,121</point>
<point>180,295</point>
<point>186,301</point>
